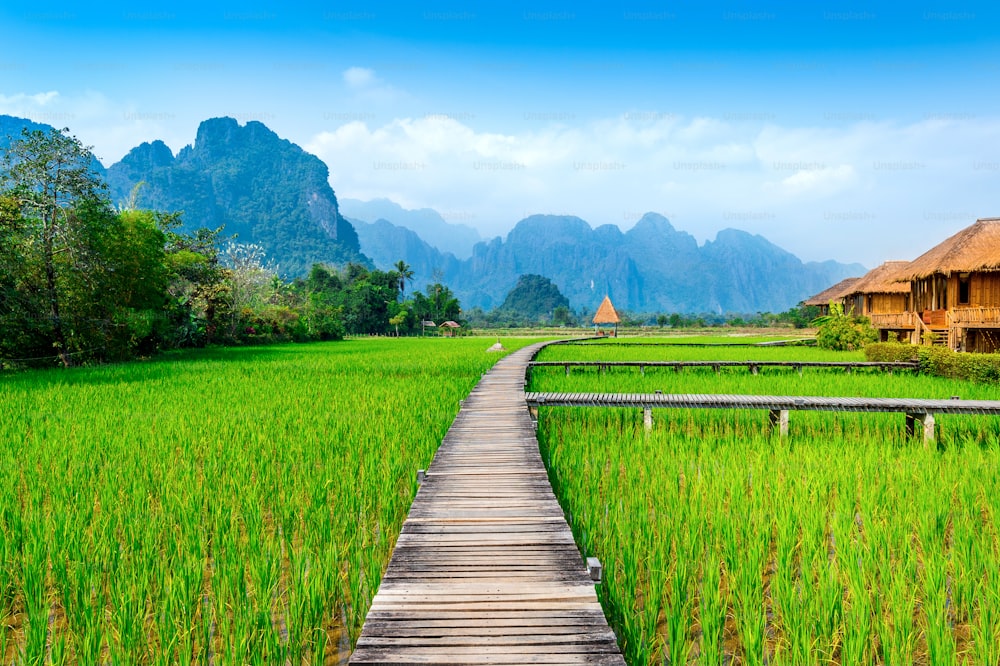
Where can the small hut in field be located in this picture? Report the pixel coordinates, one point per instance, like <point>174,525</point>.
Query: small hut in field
<point>835,294</point>
<point>448,328</point>
<point>606,315</point>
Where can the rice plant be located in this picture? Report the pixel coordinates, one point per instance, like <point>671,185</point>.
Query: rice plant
<point>845,543</point>
<point>220,506</point>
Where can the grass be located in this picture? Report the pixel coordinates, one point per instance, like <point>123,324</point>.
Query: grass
<point>227,505</point>
<point>846,543</point>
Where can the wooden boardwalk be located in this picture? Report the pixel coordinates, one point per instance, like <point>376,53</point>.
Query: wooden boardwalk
<point>485,570</point>
<point>916,409</point>
<point>753,366</point>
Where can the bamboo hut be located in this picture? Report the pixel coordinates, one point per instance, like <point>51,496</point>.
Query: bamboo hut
<point>606,314</point>
<point>833,294</point>
<point>448,328</point>
<point>884,297</point>
<point>955,288</point>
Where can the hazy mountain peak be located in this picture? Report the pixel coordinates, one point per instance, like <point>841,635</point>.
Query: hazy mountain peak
<point>456,238</point>
<point>654,221</point>
<point>550,228</point>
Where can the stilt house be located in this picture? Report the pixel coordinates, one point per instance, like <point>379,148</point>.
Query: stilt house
<point>882,296</point>
<point>955,289</point>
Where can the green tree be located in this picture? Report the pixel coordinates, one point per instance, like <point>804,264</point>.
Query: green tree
<point>438,305</point>
<point>405,275</point>
<point>398,320</point>
<point>248,278</point>
<point>562,316</point>
<point>534,298</point>
<point>16,301</point>
<point>195,292</point>
<point>50,178</point>
<point>134,279</point>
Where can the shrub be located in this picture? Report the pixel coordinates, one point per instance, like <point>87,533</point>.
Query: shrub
<point>889,352</point>
<point>940,361</point>
<point>842,332</point>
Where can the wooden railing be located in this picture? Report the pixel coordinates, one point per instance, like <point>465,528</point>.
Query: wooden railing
<point>974,316</point>
<point>916,409</point>
<point>893,320</point>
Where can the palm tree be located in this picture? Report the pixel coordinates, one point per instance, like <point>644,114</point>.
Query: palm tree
<point>405,273</point>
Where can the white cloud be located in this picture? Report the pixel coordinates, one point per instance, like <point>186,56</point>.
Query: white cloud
<point>814,191</point>
<point>19,100</point>
<point>825,180</point>
<point>359,77</point>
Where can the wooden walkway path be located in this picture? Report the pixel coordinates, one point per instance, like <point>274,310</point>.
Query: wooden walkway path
<point>485,570</point>
<point>916,409</point>
<point>753,366</point>
<point>597,340</point>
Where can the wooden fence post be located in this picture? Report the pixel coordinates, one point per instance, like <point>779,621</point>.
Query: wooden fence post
<point>779,417</point>
<point>927,421</point>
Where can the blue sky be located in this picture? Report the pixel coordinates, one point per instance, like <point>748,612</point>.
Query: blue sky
<point>860,132</point>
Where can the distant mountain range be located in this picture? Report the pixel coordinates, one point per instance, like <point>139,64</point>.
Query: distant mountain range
<point>458,239</point>
<point>650,268</point>
<point>269,191</point>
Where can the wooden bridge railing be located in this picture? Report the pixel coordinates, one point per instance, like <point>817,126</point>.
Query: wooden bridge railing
<point>915,409</point>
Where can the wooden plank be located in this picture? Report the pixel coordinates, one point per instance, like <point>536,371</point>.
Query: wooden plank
<point>485,569</point>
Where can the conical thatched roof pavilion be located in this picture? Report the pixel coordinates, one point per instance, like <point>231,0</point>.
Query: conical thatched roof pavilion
<point>606,314</point>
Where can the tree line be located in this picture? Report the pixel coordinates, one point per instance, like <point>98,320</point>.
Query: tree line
<point>84,280</point>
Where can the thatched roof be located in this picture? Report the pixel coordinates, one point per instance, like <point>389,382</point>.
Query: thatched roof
<point>833,293</point>
<point>975,248</point>
<point>885,279</point>
<point>451,324</point>
<point>606,314</point>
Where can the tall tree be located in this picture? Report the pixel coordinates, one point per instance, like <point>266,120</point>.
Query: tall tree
<point>405,275</point>
<point>48,175</point>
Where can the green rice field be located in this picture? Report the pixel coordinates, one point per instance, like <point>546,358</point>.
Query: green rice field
<point>224,506</point>
<point>845,543</point>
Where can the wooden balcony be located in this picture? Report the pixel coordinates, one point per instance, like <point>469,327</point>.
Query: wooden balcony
<point>895,321</point>
<point>975,317</point>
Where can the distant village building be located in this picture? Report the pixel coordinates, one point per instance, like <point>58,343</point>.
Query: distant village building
<point>834,294</point>
<point>606,314</point>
